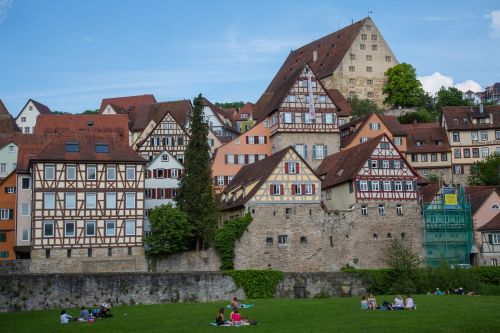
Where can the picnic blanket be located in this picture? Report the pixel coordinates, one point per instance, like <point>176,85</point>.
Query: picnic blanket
<point>243,323</point>
<point>242,306</point>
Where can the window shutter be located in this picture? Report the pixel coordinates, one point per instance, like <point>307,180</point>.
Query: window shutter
<point>265,139</point>
<point>5,189</point>
<point>181,172</point>
<point>380,164</point>
<point>303,189</point>
<point>357,185</point>
<point>246,138</point>
<point>314,188</point>
<point>297,167</point>
<point>11,214</point>
<point>158,193</point>
<point>168,193</point>
<point>246,158</point>
<point>226,180</point>
<point>293,117</point>
<point>314,152</point>
<point>293,189</point>
<point>370,185</point>
<point>282,189</point>
<point>490,238</point>
<point>225,159</point>
<point>155,173</point>
<point>286,167</point>
<point>149,173</point>
<point>305,152</point>
<point>153,193</point>
<point>167,173</point>
<point>271,189</point>
<point>173,140</point>
<point>255,140</point>
<point>325,150</point>
<point>414,185</point>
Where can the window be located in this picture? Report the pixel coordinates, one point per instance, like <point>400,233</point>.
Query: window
<point>352,68</point>
<point>50,172</point>
<point>110,228</point>
<point>475,152</point>
<point>220,180</point>
<point>291,167</point>
<point>262,156</point>
<point>352,81</point>
<point>398,141</point>
<point>374,37</point>
<point>48,229</point>
<point>69,229</point>
<point>23,119</point>
<point>434,157</point>
<point>497,135</point>
<point>90,200</point>
<point>319,152</point>
<point>164,157</point>
<point>363,139</point>
<point>423,157</point>
<point>309,189</point>
<point>457,153</point>
<point>369,82</point>
<point>49,200</point>
<point>282,239</point>
<point>473,135</point>
<point>374,47</point>
<point>72,147</point>
<point>70,200</point>
<point>26,235</point>
<point>91,172</point>
<point>230,159</point>
<point>419,143</point>
<point>387,186</point>
<point>352,94</point>
<point>368,27</point>
<point>363,185</point>
<point>369,69</point>
<point>276,189</point>
<point>364,210</point>
<point>388,58</point>
<point>414,157</point>
<point>291,99</point>
<point>10,189</point>
<point>241,159</point>
<point>369,57</point>
<point>399,209</point>
<point>466,153</point>
<point>5,214</point>
<point>89,228</point>
<point>159,173</point>
<point>364,37</point>
<point>457,169</point>
<point>494,238</point>
<point>369,94</point>
<point>301,150</point>
<point>456,137</point>
<point>328,118</point>
<point>362,46</point>
<point>130,173</point>
<point>485,152</point>
<point>111,172</point>
<point>375,126</point>
<point>444,156</point>
<point>110,252</point>
<point>287,117</point>
<point>25,209</point>
<point>27,130</point>
<point>129,200</point>
<point>180,141</point>
<point>374,164</point>
<point>269,241</point>
<point>3,167</point>
<point>250,140</point>
<point>409,186</point>
<point>288,212</point>
<point>385,164</point>
<point>375,185</point>
<point>174,173</point>
<point>71,172</point>
<point>111,200</point>
<point>262,140</point>
<point>398,186</point>
<point>381,209</point>
<point>129,228</point>
<point>25,183</point>
<point>484,135</point>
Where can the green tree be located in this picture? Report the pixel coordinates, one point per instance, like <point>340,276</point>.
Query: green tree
<point>59,112</point>
<point>420,116</point>
<point>170,231</point>
<point>435,178</point>
<point>402,87</point>
<point>91,111</point>
<point>196,195</point>
<point>404,262</point>
<point>486,172</point>
<point>363,107</point>
<point>450,97</point>
<point>228,105</point>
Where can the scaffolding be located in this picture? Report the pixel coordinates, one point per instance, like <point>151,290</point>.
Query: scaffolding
<point>448,233</point>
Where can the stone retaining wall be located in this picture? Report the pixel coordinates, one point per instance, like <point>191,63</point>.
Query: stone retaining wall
<point>22,292</point>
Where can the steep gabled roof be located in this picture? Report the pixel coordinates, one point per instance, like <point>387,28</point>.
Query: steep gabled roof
<point>248,109</point>
<point>251,173</point>
<point>492,225</point>
<point>427,135</point>
<point>478,195</point>
<point>345,165</point>
<point>129,103</point>
<point>42,108</point>
<point>460,117</point>
<point>8,124</point>
<point>221,116</point>
<point>429,192</point>
<point>143,114</point>
<point>3,109</point>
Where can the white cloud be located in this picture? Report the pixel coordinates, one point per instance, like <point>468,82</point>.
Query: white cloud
<point>495,22</point>
<point>432,83</point>
<point>5,6</point>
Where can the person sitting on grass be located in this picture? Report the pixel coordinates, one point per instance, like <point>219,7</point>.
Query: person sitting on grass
<point>236,317</point>
<point>234,303</point>
<point>398,303</point>
<point>219,320</point>
<point>438,292</point>
<point>65,318</point>
<point>386,306</point>
<point>84,314</point>
<point>372,302</point>
<point>409,303</point>
<point>364,303</point>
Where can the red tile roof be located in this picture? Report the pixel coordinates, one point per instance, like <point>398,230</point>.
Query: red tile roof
<point>248,109</point>
<point>3,109</point>
<point>180,111</point>
<point>461,117</point>
<point>427,136</point>
<point>428,192</point>
<point>129,103</point>
<point>478,195</point>
<point>73,123</point>
<point>390,122</point>
<point>492,225</point>
<point>8,124</point>
<point>17,138</point>
<point>42,108</point>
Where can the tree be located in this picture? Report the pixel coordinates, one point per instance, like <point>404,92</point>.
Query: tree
<point>170,231</point>
<point>435,178</point>
<point>229,105</point>
<point>363,107</point>
<point>59,112</point>
<point>195,194</point>
<point>91,111</point>
<point>450,97</point>
<point>486,172</point>
<point>420,116</point>
<point>401,258</point>
<point>402,87</point>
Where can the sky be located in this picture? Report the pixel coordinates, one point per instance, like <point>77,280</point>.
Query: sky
<point>71,54</point>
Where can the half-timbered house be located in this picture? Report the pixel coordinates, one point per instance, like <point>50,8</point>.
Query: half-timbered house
<point>88,204</point>
<point>162,181</point>
<point>301,112</point>
<point>370,194</point>
<point>282,193</point>
<point>490,241</point>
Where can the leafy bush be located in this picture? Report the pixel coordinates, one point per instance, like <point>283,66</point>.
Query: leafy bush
<point>257,283</point>
<point>227,236</point>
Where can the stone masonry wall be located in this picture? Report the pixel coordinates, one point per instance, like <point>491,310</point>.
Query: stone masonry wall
<point>198,261</point>
<point>45,291</point>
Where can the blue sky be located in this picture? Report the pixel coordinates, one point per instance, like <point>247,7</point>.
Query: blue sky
<point>71,54</point>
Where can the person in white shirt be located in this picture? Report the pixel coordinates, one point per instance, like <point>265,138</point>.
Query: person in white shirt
<point>398,303</point>
<point>409,303</point>
<point>65,318</point>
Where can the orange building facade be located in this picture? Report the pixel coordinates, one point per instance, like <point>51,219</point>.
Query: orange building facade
<point>252,146</point>
<point>7,217</point>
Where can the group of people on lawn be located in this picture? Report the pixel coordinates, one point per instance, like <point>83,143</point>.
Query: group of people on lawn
<point>370,303</point>
<point>102,310</point>
<point>235,318</point>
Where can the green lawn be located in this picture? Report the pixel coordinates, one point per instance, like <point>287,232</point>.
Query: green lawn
<point>477,314</point>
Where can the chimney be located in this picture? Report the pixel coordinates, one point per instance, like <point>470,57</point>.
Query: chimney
<point>481,110</point>
<point>315,55</point>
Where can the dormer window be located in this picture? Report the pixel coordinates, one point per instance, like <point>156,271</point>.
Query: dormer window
<point>419,143</point>
<point>90,123</point>
<point>72,147</point>
<point>455,121</point>
<point>438,142</point>
<point>244,116</point>
<point>101,148</point>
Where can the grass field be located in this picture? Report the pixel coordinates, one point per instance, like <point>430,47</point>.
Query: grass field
<point>478,314</point>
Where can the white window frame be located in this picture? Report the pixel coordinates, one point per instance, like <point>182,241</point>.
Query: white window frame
<point>474,136</point>
<point>130,172</point>
<point>107,229</point>
<point>374,164</point>
<point>47,173</point>
<point>291,167</point>
<point>47,204</point>
<point>277,189</point>
<point>70,172</point>
<point>241,159</point>
<point>398,186</point>
<point>320,152</point>
<point>87,224</point>
<point>399,209</point>
<point>381,209</point>
<point>287,118</point>
<point>4,213</point>
<point>130,225</point>
<point>484,135</point>
<point>230,159</point>
<point>91,200</point>
<point>363,185</point>
<point>129,196</point>
<point>110,200</point>
<point>408,186</point>
<point>397,164</point>
<point>66,223</point>
<point>375,185</point>
<point>70,198</point>
<point>220,180</point>
<point>385,164</point>
<point>46,223</point>
<point>485,151</point>
<point>309,189</point>
<point>364,210</point>
<point>89,172</point>
<point>387,186</point>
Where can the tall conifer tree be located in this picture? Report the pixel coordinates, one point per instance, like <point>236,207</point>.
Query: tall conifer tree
<point>195,194</point>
